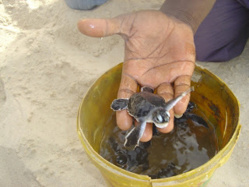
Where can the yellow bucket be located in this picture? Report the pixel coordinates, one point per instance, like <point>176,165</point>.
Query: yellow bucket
<point>211,95</point>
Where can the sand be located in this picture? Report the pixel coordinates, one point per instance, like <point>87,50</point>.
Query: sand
<point>46,68</point>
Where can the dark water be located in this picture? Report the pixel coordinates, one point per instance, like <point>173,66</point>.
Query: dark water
<point>192,143</point>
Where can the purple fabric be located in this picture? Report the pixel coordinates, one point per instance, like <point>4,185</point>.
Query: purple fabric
<point>224,32</point>
<point>245,3</point>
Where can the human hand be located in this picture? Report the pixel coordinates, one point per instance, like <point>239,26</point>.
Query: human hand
<point>159,53</point>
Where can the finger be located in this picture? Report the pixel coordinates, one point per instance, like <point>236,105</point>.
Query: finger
<point>128,86</point>
<point>166,91</point>
<point>147,133</point>
<point>182,84</point>
<point>99,27</point>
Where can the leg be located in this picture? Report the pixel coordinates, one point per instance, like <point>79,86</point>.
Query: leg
<point>223,33</point>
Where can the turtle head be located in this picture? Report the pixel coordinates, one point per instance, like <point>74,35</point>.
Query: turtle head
<point>160,117</point>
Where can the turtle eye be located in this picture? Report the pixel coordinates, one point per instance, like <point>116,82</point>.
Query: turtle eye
<point>159,118</point>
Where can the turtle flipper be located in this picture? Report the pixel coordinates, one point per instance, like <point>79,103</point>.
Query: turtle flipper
<point>119,104</point>
<point>133,137</point>
<point>170,104</point>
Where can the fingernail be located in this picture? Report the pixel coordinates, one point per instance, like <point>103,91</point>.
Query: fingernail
<point>178,115</point>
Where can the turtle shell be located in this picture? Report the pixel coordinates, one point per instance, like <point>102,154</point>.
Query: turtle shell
<point>140,104</point>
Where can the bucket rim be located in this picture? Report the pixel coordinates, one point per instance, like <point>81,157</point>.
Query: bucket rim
<point>222,155</point>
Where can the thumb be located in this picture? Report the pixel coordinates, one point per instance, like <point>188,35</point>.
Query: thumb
<point>99,27</point>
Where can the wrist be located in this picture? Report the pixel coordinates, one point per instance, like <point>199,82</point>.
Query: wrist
<point>191,12</point>
<point>184,17</point>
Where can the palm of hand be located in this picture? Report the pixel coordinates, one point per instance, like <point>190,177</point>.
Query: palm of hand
<point>157,50</point>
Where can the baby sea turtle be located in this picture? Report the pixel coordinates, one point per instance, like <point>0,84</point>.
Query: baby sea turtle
<point>145,107</point>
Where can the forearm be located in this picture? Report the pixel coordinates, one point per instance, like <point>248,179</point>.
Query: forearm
<point>191,12</point>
